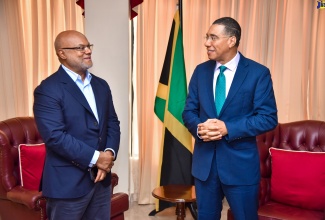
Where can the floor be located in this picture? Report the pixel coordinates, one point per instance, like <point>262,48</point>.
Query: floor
<point>141,212</point>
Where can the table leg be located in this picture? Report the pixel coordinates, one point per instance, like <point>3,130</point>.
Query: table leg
<point>193,208</point>
<point>180,210</point>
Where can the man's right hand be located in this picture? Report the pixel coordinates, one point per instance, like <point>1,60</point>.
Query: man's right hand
<point>210,130</point>
<point>105,161</point>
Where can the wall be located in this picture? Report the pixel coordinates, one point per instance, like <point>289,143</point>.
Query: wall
<point>107,27</point>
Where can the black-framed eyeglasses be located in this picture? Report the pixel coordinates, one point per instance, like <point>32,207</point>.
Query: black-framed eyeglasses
<point>81,48</point>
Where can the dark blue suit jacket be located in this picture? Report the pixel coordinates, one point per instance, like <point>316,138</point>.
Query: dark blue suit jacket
<point>249,110</point>
<point>72,134</point>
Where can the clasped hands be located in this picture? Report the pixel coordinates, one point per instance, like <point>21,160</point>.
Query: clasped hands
<point>212,130</point>
<point>104,164</point>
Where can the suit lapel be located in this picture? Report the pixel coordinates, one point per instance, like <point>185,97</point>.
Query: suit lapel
<point>238,80</point>
<point>99,98</point>
<point>73,89</point>
<point>209,84</point>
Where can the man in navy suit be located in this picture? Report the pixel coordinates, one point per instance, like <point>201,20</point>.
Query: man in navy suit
<point>225,159</point>
<point>75,116</point>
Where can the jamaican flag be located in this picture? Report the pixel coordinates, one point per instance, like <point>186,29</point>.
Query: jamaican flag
<point>176,144</point>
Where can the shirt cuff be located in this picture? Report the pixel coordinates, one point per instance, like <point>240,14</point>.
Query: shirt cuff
<point>94,159</point>
<point>110,149</point>
<point>197,133</point>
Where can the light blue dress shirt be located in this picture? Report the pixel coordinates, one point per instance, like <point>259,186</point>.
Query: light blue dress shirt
<point>86,89</point>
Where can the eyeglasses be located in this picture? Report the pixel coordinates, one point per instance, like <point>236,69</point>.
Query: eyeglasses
<point>214,37</point>
<point>81,48</point>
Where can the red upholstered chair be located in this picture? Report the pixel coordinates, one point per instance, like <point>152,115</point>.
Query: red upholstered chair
<point>16,202</point>
<point>307,135</point>
<point>120,201</point>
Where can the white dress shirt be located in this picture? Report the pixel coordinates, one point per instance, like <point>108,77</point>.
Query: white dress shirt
<point>229,72</point>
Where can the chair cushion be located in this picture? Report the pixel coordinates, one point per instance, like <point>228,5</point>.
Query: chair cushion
<point>31,163</point>
<point>298,178</point>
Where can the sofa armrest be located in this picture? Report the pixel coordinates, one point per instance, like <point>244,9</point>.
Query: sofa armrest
<point>119,204</point>
<point>264,191</point>
<point>7,178</point>
<point>114,180</point>
<point>30,198</point>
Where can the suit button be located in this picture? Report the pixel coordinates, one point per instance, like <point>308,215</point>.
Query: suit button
<point>100,139</point>
<point>95,123</point>
<point>76,164</point>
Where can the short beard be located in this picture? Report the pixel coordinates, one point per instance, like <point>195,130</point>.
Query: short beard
<point>86,67</point>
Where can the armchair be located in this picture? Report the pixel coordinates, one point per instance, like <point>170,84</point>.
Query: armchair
<point>16,202</point>
<point>300,136</point>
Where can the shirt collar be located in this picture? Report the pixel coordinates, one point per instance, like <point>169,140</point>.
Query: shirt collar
<point>75,76</point>
<point>232,64</point>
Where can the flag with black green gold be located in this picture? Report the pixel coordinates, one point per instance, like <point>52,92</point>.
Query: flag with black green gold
<point>176,144</point>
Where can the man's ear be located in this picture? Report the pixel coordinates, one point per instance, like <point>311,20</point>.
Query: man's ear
<point>232,41</point>
<point>61,55</point>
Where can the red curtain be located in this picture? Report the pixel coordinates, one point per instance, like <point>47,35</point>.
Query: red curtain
<point>81,3</point>
<point>134,3</point>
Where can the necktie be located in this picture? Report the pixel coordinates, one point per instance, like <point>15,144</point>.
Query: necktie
<point>220,92</point>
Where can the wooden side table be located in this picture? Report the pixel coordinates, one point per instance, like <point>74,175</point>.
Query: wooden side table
<point>179,194</point>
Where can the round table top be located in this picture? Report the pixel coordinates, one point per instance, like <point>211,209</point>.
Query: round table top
<point>175,193</point>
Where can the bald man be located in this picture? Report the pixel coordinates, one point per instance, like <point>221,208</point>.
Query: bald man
<point>76,118</point>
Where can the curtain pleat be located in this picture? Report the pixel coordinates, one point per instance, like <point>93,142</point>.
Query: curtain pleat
<point>27,54</point>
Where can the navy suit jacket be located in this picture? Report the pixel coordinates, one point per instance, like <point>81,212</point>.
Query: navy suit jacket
<point>249,110</point>
<point>72,134</point>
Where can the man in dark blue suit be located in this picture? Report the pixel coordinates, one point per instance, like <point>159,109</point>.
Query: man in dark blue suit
<point>75,116</point>
<point>225,158</point>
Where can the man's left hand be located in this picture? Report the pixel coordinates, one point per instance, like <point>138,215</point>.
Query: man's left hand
<point>212,130</point>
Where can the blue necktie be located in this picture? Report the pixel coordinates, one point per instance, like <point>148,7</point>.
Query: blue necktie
<point>220,92</point>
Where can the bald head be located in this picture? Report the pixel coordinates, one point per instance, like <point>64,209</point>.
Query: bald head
<point>68,39</point>
<point>67,45</point>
